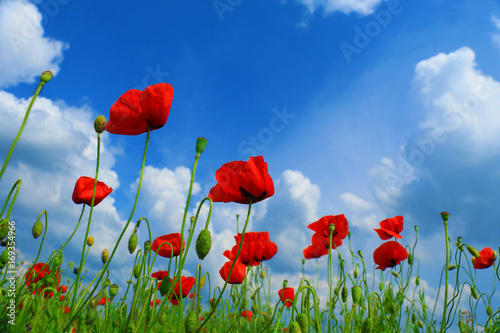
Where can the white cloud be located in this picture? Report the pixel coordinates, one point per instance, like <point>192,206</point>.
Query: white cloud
<point>24,50</point>
<point>363,7</point>
<point>495,38</point>
<point>361,213</point>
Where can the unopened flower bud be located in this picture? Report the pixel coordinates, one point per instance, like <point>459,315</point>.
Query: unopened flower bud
<point>473,292</point>
<point>285,283</point>
<point>91,316</point>
<point>90,241</point>
<point>262,274</point>
<point>489,310</point>
<point>473,251</point>
<point>105,256</point>
<point>395,274</point>
<point>201,143</point>
<point>203,244</point>
<point>417,280</point>
<point>344,294</point>
<point>46,76</point>
<point>4,258</point>
<point>137,271</point>
<point>356,273</point>
<point>303,321</point>
<point>4,228</point>
<point>107,283</point>
<point>165,286</point>
<point>410,258</point>
<point>212,302</point>
<point>367,325</point>
<point>381,286</point>
<point>58,259</point>
<point>294,327</point>
<point>360,254</point>
<point>190,322</point>
<point>132,243</point>
<point>37,229</point>
<point>452,267</point>
<point>113,290</point>
<point>495,254</point>
<point>100,124</point>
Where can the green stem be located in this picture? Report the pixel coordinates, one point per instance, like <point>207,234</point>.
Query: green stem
<point>13,145</point>
<point>443,321</point>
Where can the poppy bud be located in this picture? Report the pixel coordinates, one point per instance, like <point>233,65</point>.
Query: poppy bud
<point>342,263</point>
<point>336,290</point>
<point>49,281</point>
<point>163,318</point>
<point>202,281</point>
<point>303,321</point>
<point>113,290</point>
<point>473,251</point>
<point>473,292</point>
<point>4,228</point>
<point>165,286</point>
<point>100,124</point>
<point>203,244</point>
<point>367,325</point>
<point>294,327</point>
<point>190,322</point>
<point>46,76</point>
<point>344,294</point>
<point>37,229</point>
<point>285,283</point>
<point>356,273</point>
<point>147,246</point>
<point>444,216</point>
<point>489,311</point>
<point>58,259</point>
<point>212,302</point>
<point>395,274</point>
<point>137,271</point>
<point>360,254</point>
<point>91,316</point>
<point>132,243</point>
<point>4,258</point>
<point>105,256</point>
<point>410,258</point>
<point>495,255</point>
<point>263,274</point>
<point>381,286</point>
<point>90,241</point>
<point>356,294</point>
<point>201,143</point>
<point>420,324</point>
<point>452,267</point>
<point>303,261</point>
<point>417,280</point>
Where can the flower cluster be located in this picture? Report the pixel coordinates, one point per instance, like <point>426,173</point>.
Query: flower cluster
<point>390,253</point>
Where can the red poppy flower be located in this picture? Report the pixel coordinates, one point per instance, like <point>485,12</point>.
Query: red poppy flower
<point>158,301</point>
<point>321,238</point>
<point>135,110</point>
<point>389,254</point>
<point>287,296</point>
<point>84,188</point>
<point>37,273</point>
<point>103,301</point>
<point>485,260</point>
<point>391,227</point>
<point>165,250</point>
<point>247,314</point>
<point>62,289</point>
<point>240,182</point>
<point>237,275</point>
<point>314,252</point>
<point>160,275</point>
<point>256,248</point>
<point>187,283</point>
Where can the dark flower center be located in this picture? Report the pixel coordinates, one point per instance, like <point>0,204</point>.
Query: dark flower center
<point>246,194</point>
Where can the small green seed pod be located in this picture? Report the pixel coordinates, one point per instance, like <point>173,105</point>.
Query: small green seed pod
<point>165,286</point>
<point>417,280</point>
<point>410,258</point>
<point>262,274</point>
<point>489,311</point>
<point>105,256</point>
<point>294,327</point>
<point>4,258</point>
<point>201,143</point>
<point>473,251</point>
<point>4,228</point>
<point>356,294</point>
<point>381,286</point>
<point>46,76</point>
<point>147,246</point>
<point>452,267</point>
<point>473,292</point>
<point>132,243</point>
<point>113,290</point>
<point>100,124</point>
<point>137,271</point>
<point>420,324</point>
<point>90,241</point>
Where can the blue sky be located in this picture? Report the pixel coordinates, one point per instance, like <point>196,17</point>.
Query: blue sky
<point>406,124</point>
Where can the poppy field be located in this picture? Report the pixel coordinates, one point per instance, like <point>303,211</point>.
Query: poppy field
<point>365,292</point>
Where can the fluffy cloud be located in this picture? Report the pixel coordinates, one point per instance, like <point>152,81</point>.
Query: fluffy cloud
<point>452,162</point>
<point>495,38</point>
<point>24,50</point>
<point>361,213</point>
<point>363,7</point>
